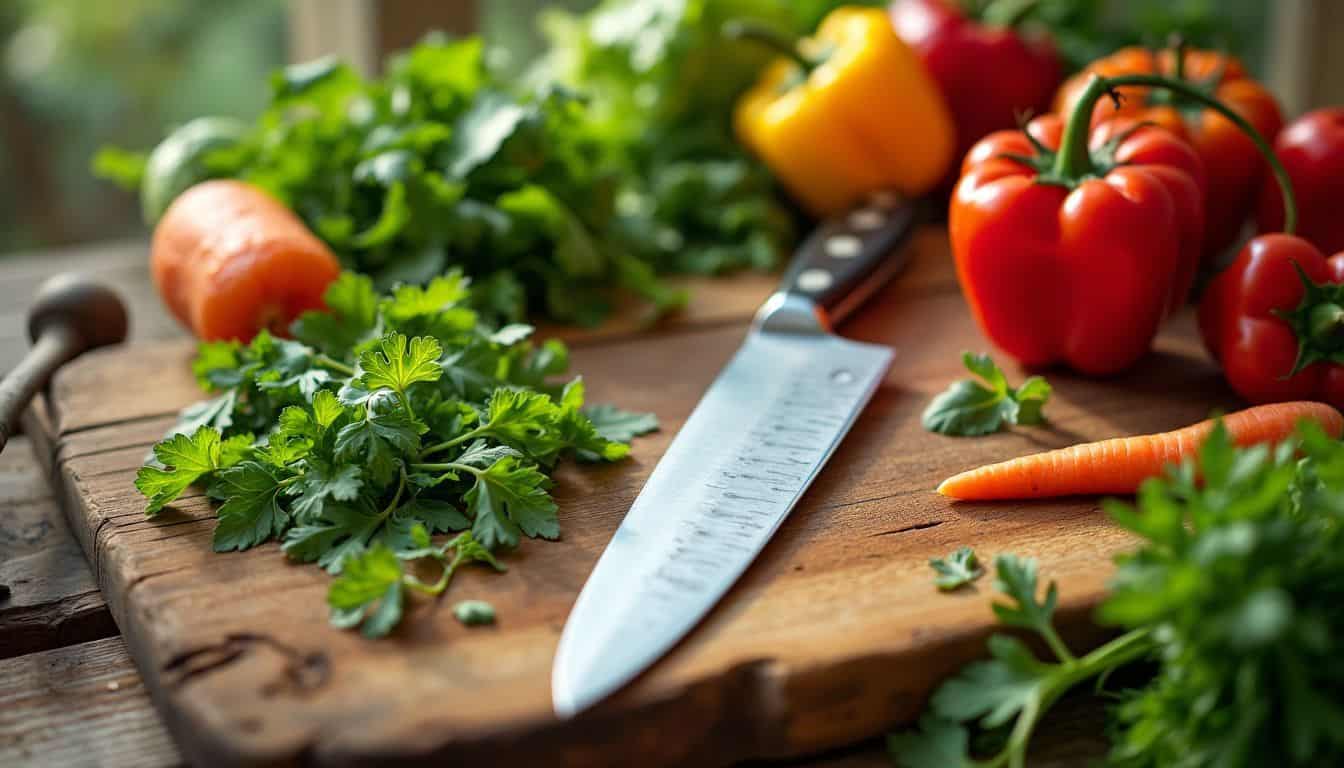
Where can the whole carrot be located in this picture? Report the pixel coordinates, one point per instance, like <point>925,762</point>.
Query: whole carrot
<point>1121,464</point>
<point>230,260</point>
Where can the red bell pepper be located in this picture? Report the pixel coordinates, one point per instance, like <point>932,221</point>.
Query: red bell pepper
<point>1232,165</point>
<point>1311,148</point>
<point>988,71</point>
<point>1073,252</point>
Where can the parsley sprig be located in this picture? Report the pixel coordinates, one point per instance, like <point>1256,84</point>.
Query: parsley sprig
<point>384,422</point>
<point>1234,594</point>
<point>970,407</point>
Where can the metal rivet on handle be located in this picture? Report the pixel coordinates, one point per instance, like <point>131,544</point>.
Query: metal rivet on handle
<point>843,246</point>
<point>866,219</point>
<point>814,280</point>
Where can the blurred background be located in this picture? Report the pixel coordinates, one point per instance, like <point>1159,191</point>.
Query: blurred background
<point>76,75</point>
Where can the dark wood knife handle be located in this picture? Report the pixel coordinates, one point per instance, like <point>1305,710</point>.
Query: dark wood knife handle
<point>70,315</point>
<point>847,258</point>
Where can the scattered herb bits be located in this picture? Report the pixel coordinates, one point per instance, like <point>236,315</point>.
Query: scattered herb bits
<point>474,612</point>
<point>958,569</point>
<point>386,421</point>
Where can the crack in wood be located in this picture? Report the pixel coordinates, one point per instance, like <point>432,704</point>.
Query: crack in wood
<point>303,672</point>
<point>97,552</point>
<point>908,528</point>
<point>72,619</point>
<point>142,578</point>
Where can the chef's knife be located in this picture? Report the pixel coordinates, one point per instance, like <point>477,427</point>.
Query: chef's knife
<point>749,450</point>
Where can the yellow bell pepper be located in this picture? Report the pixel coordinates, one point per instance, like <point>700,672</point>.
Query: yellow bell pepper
<point>848,112</point>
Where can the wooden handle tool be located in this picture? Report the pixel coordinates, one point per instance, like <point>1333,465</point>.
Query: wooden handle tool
<point>70,315</point>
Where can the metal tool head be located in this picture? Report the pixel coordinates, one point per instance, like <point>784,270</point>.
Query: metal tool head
<point>742,460</point>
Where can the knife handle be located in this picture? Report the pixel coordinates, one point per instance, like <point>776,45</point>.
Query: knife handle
<point>848,257</point>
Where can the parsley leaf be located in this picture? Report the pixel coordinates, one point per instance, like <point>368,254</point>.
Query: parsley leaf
<point>251,512</point>
<point>507,498</point>
<point>994,690</point>
<point>368,591</point>
<point>1016,578</point>
<point>342,531</point>
<point>939,743</point>
<point>397,364</point>
<point>321,481</point>
<point>186,460</point>
<point>969,407</point>
<point>958,569</point>
<point>620,426</point>
<point>377,442</point>
<point>352,307</point>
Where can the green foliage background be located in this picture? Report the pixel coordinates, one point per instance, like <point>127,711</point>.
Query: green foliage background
<point>75,75</point>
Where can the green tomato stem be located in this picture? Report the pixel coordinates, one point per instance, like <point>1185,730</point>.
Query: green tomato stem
<point>1326,324</point>
<point>1074,162</point>
<point>1178,50</point>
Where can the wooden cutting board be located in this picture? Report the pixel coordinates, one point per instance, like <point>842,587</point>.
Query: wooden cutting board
<point>836,633</point>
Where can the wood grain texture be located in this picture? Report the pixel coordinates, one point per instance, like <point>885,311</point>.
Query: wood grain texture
<point>832,636</point>
<point>82,706</point>
<point>51,599</point>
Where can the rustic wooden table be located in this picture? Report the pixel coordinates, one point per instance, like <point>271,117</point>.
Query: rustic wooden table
<point>69,693</point>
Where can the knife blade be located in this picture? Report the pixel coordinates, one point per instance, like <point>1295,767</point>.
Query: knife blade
<point>751,447</point>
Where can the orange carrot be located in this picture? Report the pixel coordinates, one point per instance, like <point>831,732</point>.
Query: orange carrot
<point>1121,464</point>
<point>230,260</point>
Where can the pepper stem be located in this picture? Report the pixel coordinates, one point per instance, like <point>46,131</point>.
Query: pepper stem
<point>1326,325</point>
<point>1073,161</point>
<point>1178,51</point>
<point>756,32</point>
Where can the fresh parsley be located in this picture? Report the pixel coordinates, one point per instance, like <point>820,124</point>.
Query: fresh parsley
<point>958,569</point>
<point>971,407</point>
<point>552,190</point>
<point>1234,595</point>
<point>386,421</point>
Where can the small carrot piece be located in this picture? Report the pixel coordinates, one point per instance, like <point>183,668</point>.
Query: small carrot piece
<point>1121,464</point>
<point>230,260</point>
